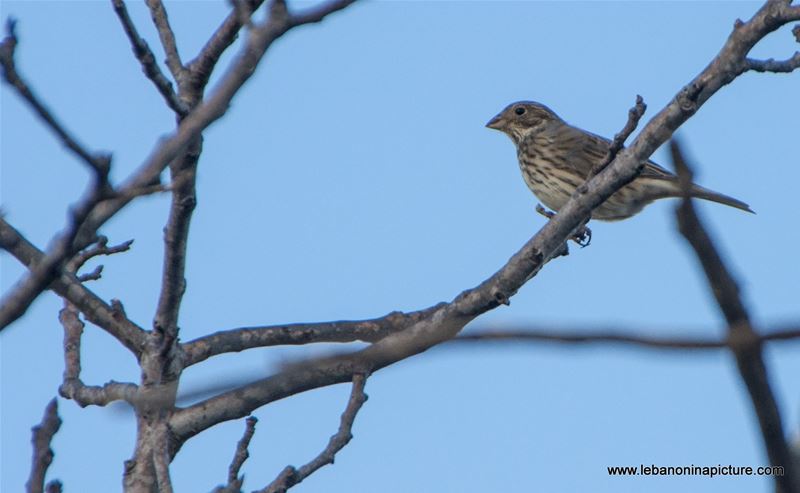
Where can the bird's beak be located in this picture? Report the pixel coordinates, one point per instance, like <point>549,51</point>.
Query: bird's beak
<point>495,123</point>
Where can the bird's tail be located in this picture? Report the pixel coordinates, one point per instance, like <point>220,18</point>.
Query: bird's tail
<point>706,194</point>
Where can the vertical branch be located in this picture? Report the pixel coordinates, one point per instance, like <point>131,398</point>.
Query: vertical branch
<point>234,480</point>
<point>744,341</point>
<point>167,35</point>
<point>42,453</point>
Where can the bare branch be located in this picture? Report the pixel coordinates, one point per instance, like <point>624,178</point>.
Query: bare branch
<point>243,338</point>
<point>203,65</point>
<point>212,108</point>
<point>161,460</point>
<point>615,336</point>
<point>42,453</point>
<point>99,248</point>
<point>634,115</point>
<point>234,480</point>
<point>67,286</point>
<point>772,65</point>
<point>72,386</point>
<point>448,319</point>
<point>148,61</point>
<point>176,238</point>
<point>99,163</point>
<point>161,21</point>
<point>291,476</point>
<point>744,340</point>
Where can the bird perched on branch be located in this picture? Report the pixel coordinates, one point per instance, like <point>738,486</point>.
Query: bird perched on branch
<point>555,158</point>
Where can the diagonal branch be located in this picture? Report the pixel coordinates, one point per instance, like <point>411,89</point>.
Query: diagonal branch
<point>448,319</point>
<point>291,476</point>
<point>167,36</point>
<point>16,302</point>
<point>744,341</point>
<point>634,115</point>
<point>99,163</point>
<point>148,61</point>
<point>67,286</point>
<point>243,338</point>
<point>212,108</point>
<point>203,64</point>
<point>42,453</point>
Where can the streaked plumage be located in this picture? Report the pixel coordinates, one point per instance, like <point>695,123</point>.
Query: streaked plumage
<point>555,158</point>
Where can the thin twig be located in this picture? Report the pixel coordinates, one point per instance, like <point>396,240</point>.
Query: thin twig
<point>99,248</point>
<point>775,66</point>
<point>16,302</point>
<point>744,340</point>
<point>234,480</point>
<point>148,61</point>
<point>613,336</point>
<point>291,476</point>
<point>42,453</point>
<point>634,115</point>
<point>210,110</point>
<point>99,163</point>
<point>450,318</point>
<point>167,36</point>
<point>67,286</point>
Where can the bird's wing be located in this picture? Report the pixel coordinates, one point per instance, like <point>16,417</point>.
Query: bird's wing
<point>590,149</point>
<point>652,170</point>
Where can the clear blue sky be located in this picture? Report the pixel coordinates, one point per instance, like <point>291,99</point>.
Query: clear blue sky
<point>353,176</point>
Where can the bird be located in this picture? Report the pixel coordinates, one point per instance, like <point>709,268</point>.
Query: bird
<point>555,158</point>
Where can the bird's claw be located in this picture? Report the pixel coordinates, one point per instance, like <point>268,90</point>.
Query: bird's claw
<point>583,236</point>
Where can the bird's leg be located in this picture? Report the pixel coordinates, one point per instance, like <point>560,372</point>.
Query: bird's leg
<point>582,236</point>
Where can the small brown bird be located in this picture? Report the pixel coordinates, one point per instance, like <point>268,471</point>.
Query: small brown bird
<point>555,158</point>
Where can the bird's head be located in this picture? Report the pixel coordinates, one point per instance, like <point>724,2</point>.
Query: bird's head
<point>520,118</point>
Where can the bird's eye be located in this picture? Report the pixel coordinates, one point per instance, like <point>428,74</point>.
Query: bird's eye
<point>520,110</point>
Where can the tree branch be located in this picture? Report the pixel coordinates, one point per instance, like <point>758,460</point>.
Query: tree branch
<point>449,318</point>
<point>291,476</point>
<point>42,453</point>
<point>68,287</point>
<point>176,237</point>
<point>634,115</point>
<point>744,341</point>
<point>148,61</point>
<point>167,36</point>
<point>212,108</point>
<point>772,65</point>
<point>243,338</point>
<point>99,248</point>
<point>99,163</point>
<point>615,336</point>
<point>203,64</point>
<point>72,386</point>
<point>234,480</point>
